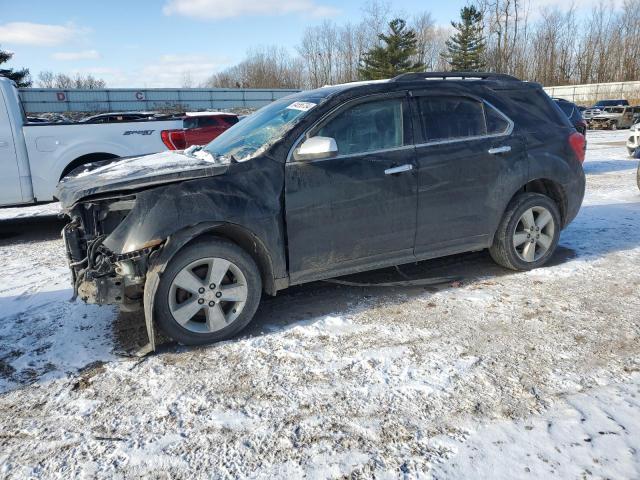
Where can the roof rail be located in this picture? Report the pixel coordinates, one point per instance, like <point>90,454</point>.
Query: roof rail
<point>413,76</point>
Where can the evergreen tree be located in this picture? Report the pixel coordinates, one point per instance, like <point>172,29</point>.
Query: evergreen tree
<point>466,47</point>
<point>394,56</point>
<point>21,77</point>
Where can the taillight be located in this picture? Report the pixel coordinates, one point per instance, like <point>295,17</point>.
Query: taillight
<point>174,139</point>
<point>578,144</point>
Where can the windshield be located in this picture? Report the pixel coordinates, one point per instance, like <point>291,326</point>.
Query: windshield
<point>254,133</point>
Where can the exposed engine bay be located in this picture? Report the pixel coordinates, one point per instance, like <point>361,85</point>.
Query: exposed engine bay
<point>100,275</point>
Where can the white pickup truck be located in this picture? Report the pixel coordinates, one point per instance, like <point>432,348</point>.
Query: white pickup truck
<point>34,157</point>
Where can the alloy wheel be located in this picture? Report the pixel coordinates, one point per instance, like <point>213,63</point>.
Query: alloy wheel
<point>534,234</point>
<point>207,295</point>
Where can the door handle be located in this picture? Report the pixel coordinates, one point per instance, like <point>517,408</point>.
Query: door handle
<point>497,150</point>
<point>400,169</point>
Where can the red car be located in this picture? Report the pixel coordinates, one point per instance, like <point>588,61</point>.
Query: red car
<point>199,128</point>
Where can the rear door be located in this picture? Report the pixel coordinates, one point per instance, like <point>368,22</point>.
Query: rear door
<point>10,191</point>
<point>466,156</point>
<point>356,210</point>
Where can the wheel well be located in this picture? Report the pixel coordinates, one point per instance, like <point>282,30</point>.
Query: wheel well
<point>250,244</point>
<point>84,159</point>
<point>552,190</point>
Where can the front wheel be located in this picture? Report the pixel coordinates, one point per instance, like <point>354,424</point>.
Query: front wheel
<point>528,233</point>
<point>209,292</point>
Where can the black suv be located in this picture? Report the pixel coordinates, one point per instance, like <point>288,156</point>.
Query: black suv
<point>324,183</point>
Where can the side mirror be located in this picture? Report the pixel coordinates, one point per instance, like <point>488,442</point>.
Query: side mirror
<point>316,148</point>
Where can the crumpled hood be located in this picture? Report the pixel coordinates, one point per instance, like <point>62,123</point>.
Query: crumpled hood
<point>133,173</point>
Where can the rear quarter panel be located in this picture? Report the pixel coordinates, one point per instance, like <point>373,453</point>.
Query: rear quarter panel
<point>546,131</point>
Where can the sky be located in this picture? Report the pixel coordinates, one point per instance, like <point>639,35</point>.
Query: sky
<point>153,43</point>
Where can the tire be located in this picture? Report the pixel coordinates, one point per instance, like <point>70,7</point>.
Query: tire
<point>236,296</point>
<point>614,126</point>
<point>504,250</point>
<point>630,151</point>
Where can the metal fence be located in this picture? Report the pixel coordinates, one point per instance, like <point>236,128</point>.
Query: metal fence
<point>588,94</point>
<point>40,100</point>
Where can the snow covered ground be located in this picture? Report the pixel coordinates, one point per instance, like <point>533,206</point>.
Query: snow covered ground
<point>505,375</point>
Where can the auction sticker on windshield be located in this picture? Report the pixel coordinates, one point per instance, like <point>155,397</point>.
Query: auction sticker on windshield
<point>303,106</point>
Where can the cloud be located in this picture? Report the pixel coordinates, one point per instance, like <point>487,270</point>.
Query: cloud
<point>168,71</point>
<point>75,56</point>
<point>218,9</point>
<point>39,34</point>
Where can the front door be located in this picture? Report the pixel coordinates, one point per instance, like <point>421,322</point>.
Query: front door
<point>357,210</point>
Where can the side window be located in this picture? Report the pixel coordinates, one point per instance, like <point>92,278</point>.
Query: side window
<point>366,127</point>
<point>496,122</point>
<point>450,118</point>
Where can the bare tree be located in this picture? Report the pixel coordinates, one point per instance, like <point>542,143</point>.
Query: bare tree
<point>431,42</point>
<point>47,79</point>
<point>269,67</point>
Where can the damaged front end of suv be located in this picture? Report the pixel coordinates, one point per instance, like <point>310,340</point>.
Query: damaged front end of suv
<point>100,274</point>
<point>120,218</point>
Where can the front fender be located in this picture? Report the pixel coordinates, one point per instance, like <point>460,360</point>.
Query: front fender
<point>249,195</point>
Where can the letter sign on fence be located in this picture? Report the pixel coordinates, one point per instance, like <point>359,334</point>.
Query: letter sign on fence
<point>61,96</point>
<point>139,95</point>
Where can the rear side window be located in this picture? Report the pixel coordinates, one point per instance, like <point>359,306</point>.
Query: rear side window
<point>450,118</point>
<point>567,108</point>
<point>366,127</point>
<point>496,122</point>
<point>533,110</point>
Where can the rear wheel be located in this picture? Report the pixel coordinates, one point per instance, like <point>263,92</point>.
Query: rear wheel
<point>528,233</point>
<point>209,292</point>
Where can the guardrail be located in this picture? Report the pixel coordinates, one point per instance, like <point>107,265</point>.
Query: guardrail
<point>41,100</point>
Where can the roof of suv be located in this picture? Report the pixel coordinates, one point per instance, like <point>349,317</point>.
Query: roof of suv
<point>414,79</point>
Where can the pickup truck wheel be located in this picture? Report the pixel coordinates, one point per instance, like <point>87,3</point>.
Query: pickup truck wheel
<point>528,233</point>
<point>209,292</point>
<point>613,126</point>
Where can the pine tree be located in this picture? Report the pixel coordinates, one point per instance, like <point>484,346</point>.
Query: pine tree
<point>394,57</point>
<point>466,46</point>
<point>21,77</point>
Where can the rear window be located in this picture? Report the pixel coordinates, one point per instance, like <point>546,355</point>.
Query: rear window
<point>208,122</point>
<point>230,119</point>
